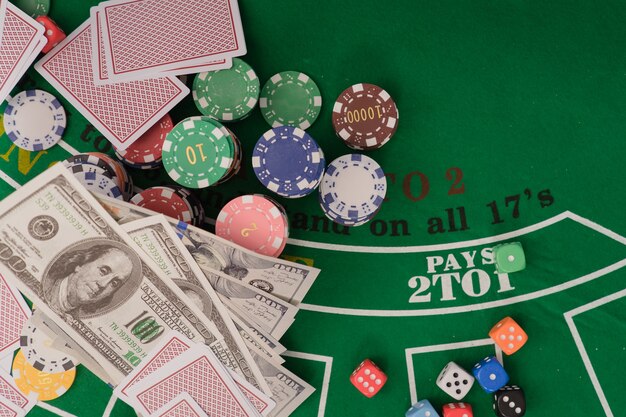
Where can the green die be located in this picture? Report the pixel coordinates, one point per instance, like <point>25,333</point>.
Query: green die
<point>509,257</point>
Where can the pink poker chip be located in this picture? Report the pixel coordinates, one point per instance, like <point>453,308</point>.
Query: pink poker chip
<point>254,222</point>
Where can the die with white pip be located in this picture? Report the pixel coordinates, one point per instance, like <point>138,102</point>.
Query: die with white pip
<point>455,380</point>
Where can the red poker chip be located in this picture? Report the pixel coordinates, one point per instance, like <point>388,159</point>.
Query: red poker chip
<point>164,200</point>
<point>365,116</point>
<point>148,148</point>
<point>254,222</point>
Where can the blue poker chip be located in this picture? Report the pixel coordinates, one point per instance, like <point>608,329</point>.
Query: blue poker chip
<point>286,160</point>
<point>99,184</point>
<point>34,120</point>
<point>353,189</point>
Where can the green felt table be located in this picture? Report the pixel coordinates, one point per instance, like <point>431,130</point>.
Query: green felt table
<point>511,128</point>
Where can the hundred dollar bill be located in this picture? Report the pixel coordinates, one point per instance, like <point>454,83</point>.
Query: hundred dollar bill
<point>155,236</point>
<point>266,311</point>
<point>289,281</point>
<point>254,342</point>
<point>61,249</point>
<point>263,337</point>
<point>288,390</point>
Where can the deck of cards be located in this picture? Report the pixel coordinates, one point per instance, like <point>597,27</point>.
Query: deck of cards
<point>119,68</point>
<point>21,40</point>
<point>180,373</point>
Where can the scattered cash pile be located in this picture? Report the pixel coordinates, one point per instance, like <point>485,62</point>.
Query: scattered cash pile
<point>171,316</point>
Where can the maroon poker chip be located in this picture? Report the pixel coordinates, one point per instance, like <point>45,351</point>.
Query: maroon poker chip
<point>365,116</point>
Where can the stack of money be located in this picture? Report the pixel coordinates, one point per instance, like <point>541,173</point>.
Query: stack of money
<point>168,314</point>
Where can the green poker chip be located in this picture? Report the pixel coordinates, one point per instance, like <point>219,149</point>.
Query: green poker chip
<point>228,94</point>
<point>196,153</point>
<point>33,8</point>
<point>290,98</point>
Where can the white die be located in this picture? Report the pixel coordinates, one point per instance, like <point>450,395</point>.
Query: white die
<point>455,381</point>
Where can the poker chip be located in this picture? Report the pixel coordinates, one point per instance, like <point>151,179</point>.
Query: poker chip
<point>365,117</point>
<point>146,152</point>
<point>287,160</point>
<point>166,201</point>
<point>90,159</point>
<point>228,94</point>
<point>33,8</point>
<point>124,181</point>
<point>197,153</point>
<point>84,168</point>
<point>45,386</point>
<point>34,120</point>
<point>100,184</point>
<point>254,222</point>
<point>38,351</point>
<point>290,98</point>
<point>352,189</point>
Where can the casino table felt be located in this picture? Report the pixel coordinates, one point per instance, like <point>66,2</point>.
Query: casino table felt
<point>511,128</point>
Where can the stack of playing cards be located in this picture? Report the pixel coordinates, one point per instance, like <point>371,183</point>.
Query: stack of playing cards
<point>182,374</point>
<point>13,315</point>
<point>21,40</point>
<point>119,67</point>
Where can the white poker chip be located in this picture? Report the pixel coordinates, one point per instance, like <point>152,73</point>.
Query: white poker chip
<point>38,351</point>
<point>34,120</point>
<point>99,184</point>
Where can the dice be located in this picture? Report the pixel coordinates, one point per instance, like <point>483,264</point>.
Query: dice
<point>368,378</point>
<point>490,374</point>
<point>509,401</point>
<point>509,257</point>
<point>455,380</point>
<point>508,335</point>
<point>53,33</point>
<point>422,409</point>
<point>457,410</point>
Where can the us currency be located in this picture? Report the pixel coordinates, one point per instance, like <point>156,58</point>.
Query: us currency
<point>288,390</point>
<point>289,281</point>
<point>264,338</point>
<point>269,313</point>
<point>254,343</point>
<point>155,236</point>
<point>64,252</point>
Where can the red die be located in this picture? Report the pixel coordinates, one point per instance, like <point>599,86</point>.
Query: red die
<point>53,33</point>
<point>457,410</point>
<point>368,378</point>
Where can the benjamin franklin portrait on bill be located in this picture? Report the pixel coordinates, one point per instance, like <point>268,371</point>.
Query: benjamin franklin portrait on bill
<point>91,278</point>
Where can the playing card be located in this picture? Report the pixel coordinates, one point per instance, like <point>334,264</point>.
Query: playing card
<point>155,36</point>
<point>181,406</point>
<point>121,112</point>
<point>199,373</point>
<point>3,10</point>
<point>13,314</point>
<point>171,345</point>
<point>259,400</point>
<point>21,42</point>
<point>10,392</point>
<point>8,409</point>
<point>98,60</point>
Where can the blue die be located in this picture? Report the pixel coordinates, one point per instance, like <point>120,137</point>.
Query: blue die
<point>490,375</point>
<point>422,409</point>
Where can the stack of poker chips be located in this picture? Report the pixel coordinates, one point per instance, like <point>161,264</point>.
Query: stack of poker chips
<point>146,152</point>
<point>175,202</point>
<point>101,174</point>
<point>255,222</point>
<point>200,152</point>
<point>288,162</point>
<point>352,189</point>
<point>365,117</point>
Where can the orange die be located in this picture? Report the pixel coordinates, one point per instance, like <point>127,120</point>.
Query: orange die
<point>368,378</point>
<point>508,335</point>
